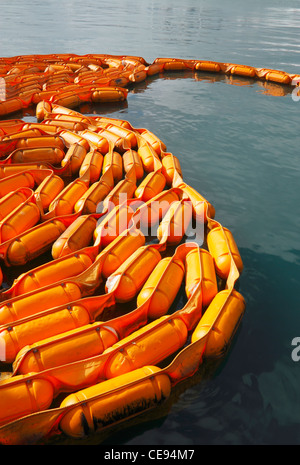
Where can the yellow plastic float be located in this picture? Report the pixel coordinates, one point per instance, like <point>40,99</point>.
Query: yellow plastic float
<point>87,195</point>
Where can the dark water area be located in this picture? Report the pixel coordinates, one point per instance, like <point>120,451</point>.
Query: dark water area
<point>238,144</point>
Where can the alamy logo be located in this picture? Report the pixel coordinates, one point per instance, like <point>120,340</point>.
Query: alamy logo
<point>296,90</point>
<point>296,352</point>
<point>148,217</point>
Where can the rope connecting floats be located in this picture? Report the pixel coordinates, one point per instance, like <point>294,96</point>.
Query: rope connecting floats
<point>108,202</point>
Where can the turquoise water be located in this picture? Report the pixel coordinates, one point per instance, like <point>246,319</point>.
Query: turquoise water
<point>238,145</point>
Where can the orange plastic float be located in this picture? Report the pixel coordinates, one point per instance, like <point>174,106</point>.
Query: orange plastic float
<point>51,322</point>
<point>120,249</point>
<point>223,248</point>
<point>200,270</point>
<point>106,209</point>
<point>77,236</point>
<point>145,387</point>
<point>162,286</point>
<point>233,305</point>
<point>129,278</point>
<point>114,161</point>
<point>32,243</point>
<point>48,273</point>
<point>48,190</point>
<point>92,162</point>
<point>170,164</point>
<point>95,194</point>
<point>22,218</point>
<point>13,200</point>
<point>131,159</point>
<point>175,223</point>
<point>112,225</point>
<point>150,213</point>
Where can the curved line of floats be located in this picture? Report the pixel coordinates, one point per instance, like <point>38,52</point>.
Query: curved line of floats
<point>69,181</point>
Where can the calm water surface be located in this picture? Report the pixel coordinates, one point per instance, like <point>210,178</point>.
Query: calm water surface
<point>238,145</point>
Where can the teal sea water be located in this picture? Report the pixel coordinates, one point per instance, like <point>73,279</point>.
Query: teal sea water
<point>238,145</point>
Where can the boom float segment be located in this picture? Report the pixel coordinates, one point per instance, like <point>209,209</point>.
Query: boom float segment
<point>87,195</point>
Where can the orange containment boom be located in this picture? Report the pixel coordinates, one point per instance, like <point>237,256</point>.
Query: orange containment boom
<point>105,303</point>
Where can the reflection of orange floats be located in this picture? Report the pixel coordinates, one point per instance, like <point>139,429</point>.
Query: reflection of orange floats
<point>68,85</point>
